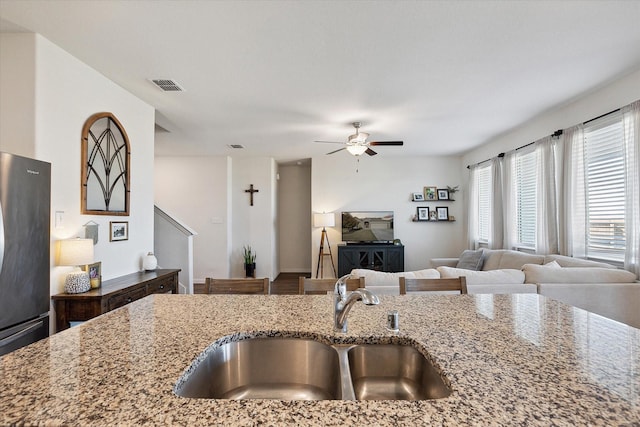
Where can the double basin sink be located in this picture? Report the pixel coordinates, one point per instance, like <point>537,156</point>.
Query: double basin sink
<point>305,369</point>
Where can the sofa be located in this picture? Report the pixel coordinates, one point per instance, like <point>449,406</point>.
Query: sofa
<point>598,287</point>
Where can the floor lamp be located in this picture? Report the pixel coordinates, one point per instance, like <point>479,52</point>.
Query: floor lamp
<point>324,220</point>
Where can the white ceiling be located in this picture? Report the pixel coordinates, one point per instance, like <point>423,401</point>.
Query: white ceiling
<point>444,76</point>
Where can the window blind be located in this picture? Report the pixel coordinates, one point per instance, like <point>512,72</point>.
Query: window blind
<point>526,197</point>
<point>604,171</point>
<point>484,203</point>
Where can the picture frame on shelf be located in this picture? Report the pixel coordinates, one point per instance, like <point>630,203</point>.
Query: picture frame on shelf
<point>443,194</point>
<point>433,216</point>
<point>442,213</point>
<point>418,197</point>
<point>430,193</point>
<point>422,213</point>
<point>95,274</point>
<point>118,231</point>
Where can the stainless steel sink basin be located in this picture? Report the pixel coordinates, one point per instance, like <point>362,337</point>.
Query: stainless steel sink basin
<point>393,372</point>
<point>304,369</point>
<point>270,368</point>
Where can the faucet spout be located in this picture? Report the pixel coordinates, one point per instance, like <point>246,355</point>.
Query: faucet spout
<point>344,302</point>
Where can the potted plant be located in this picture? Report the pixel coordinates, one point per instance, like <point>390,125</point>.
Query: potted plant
<point>249,261</point>
<point>452,191</point>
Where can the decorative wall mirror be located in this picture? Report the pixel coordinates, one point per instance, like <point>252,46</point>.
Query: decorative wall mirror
<point>105,166</point>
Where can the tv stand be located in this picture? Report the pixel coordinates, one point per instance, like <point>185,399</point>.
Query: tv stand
<point>373,256</point>
<point>368,243</point>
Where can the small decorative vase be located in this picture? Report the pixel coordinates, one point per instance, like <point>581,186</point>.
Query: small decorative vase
<point>77,282</point>
<point>250,270</point>
<point>150,262</point>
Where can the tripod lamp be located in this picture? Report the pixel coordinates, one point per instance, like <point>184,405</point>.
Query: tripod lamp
<point>324,220</point>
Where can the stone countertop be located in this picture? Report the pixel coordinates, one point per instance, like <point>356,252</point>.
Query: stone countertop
<point>516,359</point>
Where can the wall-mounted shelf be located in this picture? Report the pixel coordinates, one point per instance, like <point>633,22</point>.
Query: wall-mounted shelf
<point>417,220</point>
<point>431,201</point>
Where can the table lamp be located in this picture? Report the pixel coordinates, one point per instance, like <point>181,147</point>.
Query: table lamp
<point>324,220</point>
<point>76,252</point>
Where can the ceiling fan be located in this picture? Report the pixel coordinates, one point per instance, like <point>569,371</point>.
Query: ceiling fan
<point>357,143</point>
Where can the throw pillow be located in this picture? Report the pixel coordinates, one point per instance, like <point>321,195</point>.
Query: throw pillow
<point>471,260</point>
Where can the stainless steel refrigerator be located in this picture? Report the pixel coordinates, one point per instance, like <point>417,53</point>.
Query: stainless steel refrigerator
<point>25,198</point>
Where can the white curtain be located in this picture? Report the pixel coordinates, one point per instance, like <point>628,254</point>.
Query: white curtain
<point>546,208</point>
<point>496,236</point>
<point>573,220</point>
<point>631,122</point>
<point>509,203</point>
<point>472,203</point>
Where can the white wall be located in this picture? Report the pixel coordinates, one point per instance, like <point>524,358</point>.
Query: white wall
<point>207,194</point>
<point>386,183</point>
<point>17,93</point>
<point>294,218</point>
<point>194,189</point>
<point>254,225</point>
<point>602,100</point>
<point>67,92</point>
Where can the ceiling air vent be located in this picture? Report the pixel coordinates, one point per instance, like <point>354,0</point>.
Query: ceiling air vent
<point>238,146</point>
<point>168,85</point>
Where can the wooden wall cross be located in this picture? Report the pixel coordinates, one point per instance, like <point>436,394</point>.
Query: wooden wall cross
<point>251,191</point>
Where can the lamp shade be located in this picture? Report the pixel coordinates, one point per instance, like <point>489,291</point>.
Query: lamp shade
<point>356,150</point>
<point>324,220</point>
<point>75,252</point>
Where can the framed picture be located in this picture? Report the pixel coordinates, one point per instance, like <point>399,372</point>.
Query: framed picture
<point>418,197</point>
<point>118,230</point>
<point>443,194</point>
<point>423,213</point>
<point>443,213</point>
<point>430,193</point>
<point>95,274</point>
<point>433,216</point>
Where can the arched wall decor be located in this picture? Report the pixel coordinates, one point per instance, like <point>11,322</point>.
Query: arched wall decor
<point>105,184</point>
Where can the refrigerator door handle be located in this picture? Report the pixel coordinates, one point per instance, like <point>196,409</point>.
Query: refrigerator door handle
<point>21,333</point>
<point>1,238</point>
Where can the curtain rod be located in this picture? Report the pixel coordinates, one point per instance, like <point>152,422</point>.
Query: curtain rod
<point>555,134</point>
<point>601,116</point>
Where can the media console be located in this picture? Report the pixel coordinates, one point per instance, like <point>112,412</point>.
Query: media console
<point>379,257</point>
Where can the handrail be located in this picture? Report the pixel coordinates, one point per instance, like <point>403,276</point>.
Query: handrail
<point>185,229</point>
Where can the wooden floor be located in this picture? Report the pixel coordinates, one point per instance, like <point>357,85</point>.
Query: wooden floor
<point>285,284</point>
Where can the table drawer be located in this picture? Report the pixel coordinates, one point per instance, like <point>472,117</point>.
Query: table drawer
<point>162,286</point>
<point>124,299</point>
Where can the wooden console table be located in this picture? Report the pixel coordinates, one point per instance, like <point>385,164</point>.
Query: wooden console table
<point>112,294</point>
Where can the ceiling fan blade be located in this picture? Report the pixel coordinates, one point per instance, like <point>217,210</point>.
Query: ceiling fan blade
<point>386,143</point>
<point>370,152</point>
<point>335,151</point>
<point>330,142</point>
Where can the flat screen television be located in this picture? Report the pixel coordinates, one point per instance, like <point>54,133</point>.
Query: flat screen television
<point>367,226</point>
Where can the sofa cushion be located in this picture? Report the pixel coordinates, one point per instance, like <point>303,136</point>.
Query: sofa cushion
<point>494,277</point>
<point>471,260</point>
<point>567,261</point>
<point>542,274</point>
<point>495,259</point>
<point>509,288</point>
<point>617,301</point>
<point>374,278</point>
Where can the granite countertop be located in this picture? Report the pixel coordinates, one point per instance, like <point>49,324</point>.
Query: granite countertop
<point>511,360</point>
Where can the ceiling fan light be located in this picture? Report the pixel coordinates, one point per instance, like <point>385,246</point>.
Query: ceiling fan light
<point>356,150</point>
